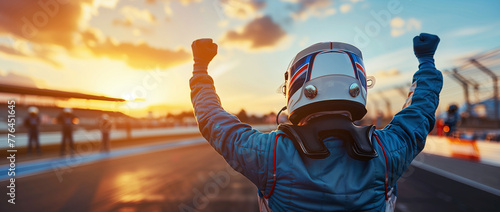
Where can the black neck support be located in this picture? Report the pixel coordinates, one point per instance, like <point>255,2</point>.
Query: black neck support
<point>308,139</point>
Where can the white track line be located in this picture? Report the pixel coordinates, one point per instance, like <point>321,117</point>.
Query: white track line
<point>457,178</point>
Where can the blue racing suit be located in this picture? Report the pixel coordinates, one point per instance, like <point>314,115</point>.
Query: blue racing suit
<point>293,182</point>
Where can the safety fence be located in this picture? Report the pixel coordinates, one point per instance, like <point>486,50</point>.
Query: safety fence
<point>480,151</point>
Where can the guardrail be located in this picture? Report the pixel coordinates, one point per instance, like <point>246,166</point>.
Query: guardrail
<point>481,151</point>
<point>81,135</point>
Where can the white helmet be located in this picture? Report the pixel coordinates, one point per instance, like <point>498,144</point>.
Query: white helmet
<point>325,77</point>
<point>67,110</point>
<point>33,109</point>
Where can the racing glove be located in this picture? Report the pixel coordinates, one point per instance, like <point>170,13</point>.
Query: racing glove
<point>204,50</point>
<point>424,47</point>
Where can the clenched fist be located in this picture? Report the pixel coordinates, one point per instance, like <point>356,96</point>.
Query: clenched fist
<point>425,45</point>
<point>204,50</point>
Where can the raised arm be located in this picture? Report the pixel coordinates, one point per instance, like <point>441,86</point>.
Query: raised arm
<point>405,136</point>
<point>244,148</point>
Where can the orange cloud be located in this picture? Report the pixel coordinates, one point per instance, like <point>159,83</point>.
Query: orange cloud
<point>399,26</point>
<point>344,8</point>
<point>40,54</point>
<point>10,78</point>
<point>138,20</point>
<point>242,9</point>
<point>388,73</point>
<point>59,23</point>
<point>106,3</point>
<point>125,23</point>
<point>45,22</point>
<point>259,33</point>
<point>303,9</point>
<point>133,14</point>
<point>184,2</point>
<point>139,56</point>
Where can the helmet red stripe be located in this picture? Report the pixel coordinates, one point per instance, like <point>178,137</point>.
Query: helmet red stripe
<point>361,68</point>
<point>298,73</point>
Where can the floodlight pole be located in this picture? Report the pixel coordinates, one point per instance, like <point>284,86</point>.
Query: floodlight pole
<point>494,77</point>
<point>465,86</point>
<point>469,81</point>
<point>403,90</point>
<point>387,104</point>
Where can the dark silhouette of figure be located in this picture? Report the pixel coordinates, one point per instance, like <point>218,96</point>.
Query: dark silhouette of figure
<point>128,128</point>
<point>32,122</point>
<point>105,127</point>
<point>452,118</point>
<point>67,119</point>
<point>439,127</point>
<point>380,116</point>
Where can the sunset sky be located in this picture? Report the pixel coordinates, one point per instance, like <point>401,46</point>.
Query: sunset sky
<point>141,48</point>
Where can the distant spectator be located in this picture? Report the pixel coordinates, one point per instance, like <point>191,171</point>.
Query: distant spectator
<point>439,127</point>
<point>32,122</point>
<point>492,136</point>
<point>380,116</point>
<point>67,119</point>
<point>451,121</point>
<point>128,128</point>
<point>105,127</point>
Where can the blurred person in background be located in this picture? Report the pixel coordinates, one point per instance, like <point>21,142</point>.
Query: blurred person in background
<point>322,161</point>
<point>67,119</point>
<point>379,118</point>
<point>451,120</point>
<point>105,127</point>
<point>128,127</point>
<point>439,127</point>
<point>32,122</point>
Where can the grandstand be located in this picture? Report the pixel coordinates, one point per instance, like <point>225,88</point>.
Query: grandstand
<point>46,99</point>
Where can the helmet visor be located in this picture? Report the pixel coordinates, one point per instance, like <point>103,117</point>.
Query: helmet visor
<point>325,63</point>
